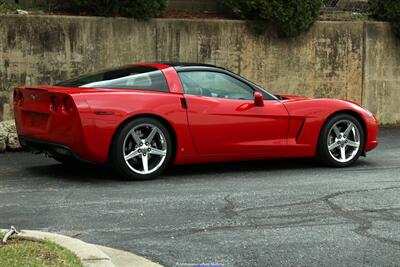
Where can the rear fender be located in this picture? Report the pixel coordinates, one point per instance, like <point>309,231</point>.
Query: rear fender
<point>133,103</point>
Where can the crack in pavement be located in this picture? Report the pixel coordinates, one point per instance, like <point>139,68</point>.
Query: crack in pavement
<point>364,225</point>
<point>230,210</point>
<point>355,216</point>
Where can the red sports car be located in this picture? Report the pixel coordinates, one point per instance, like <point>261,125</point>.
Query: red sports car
<point>142,118</point>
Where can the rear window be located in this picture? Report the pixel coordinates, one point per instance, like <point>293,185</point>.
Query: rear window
<point>134,77</point>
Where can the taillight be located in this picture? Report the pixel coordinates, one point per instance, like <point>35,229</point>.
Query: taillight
<point>68,105</point>
<point>54,103</point>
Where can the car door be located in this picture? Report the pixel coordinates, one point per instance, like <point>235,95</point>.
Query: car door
<point>224,119</point>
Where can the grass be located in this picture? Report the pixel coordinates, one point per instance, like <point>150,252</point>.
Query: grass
<point>27,253</point>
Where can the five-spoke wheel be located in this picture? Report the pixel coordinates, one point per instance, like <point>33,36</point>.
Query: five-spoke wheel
<point>341,141</point>
<point>145,148</point>
<point>142,149</point>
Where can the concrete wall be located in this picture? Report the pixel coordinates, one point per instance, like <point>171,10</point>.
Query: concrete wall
<point>382,72</point>
<point>350,60</point>
<point>326,62</point>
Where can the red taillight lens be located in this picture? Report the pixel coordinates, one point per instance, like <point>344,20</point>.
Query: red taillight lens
<point>54,103</point>
<point>68,105</point>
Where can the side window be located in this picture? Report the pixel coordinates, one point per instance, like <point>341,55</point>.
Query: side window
<point>215,84</point>
<point>153,81</point>
<point>140,78</point>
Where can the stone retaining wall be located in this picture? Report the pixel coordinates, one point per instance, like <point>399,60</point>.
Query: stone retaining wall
<point>8,136</point>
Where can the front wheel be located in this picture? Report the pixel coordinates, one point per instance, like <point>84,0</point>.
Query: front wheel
<point>141,150</point>
<point>341,141</point>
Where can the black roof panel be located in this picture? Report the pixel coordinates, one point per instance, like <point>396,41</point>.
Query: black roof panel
<point>187,64</point>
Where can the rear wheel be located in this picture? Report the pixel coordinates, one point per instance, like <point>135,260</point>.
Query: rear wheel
<point>341,141</point>
<point>141,150</point>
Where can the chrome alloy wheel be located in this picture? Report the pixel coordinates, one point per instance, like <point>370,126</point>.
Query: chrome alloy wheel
<point>145,148</point>
<point>343,141</point>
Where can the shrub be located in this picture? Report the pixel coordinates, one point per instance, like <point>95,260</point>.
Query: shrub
<point>288,17</point>
<point>388,10</point>
<point>138,9</point>
<point>96,7</point>
<point>142,9</point>
<point>6,7</point>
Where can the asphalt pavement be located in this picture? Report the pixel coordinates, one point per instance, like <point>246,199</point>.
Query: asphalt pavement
<point>263,213</point>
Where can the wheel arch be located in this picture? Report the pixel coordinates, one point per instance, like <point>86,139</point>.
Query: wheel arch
<point>159,118</point>
<point>353,113</point>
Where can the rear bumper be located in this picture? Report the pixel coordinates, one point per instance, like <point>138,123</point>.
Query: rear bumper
<point>51,149</point>
<point>55,131</point>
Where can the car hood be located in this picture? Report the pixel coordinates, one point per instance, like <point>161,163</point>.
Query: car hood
<point>299,98</point>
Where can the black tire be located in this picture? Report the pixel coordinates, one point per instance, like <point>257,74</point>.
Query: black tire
<point>117,159</point>
<point>323,154</point>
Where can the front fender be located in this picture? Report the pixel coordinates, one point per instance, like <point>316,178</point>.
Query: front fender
<point>308,116</point>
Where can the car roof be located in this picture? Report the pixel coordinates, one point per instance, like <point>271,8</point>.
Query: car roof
<point>188,64</point>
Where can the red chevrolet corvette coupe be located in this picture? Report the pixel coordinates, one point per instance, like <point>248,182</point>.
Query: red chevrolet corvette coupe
<point>142,118</point>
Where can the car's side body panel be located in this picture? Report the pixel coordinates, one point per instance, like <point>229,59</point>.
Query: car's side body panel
<point>225,126</point>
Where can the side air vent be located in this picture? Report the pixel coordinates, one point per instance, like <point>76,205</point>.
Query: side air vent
<point>300,130</point>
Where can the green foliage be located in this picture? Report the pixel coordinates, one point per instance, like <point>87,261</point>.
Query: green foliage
<point>142,9</point>
<point>7,8</point>
<point>138,9</point>
<point>288,17</point>
<point>388,10</point>
<point>96,7</point>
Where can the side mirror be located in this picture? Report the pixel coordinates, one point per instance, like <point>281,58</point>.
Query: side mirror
<point>258,99</point>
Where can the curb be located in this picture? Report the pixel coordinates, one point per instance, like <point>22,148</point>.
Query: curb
<point>89,254</point>
<point>126,259</point>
